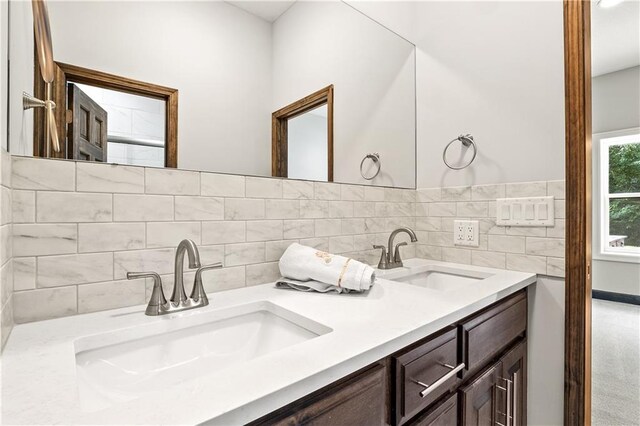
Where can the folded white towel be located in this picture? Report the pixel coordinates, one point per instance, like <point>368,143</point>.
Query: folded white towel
<point>302,263</point>
<point>288,283</point>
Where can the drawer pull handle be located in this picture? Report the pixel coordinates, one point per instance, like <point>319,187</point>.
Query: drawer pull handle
<point>430,388</point>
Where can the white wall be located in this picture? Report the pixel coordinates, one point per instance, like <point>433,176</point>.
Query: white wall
<point>493,69</point>
<point>307,153</point>
<point>4,71</point>
<point>217,55</point>
<point>616,106</point>
<point>321,43</point>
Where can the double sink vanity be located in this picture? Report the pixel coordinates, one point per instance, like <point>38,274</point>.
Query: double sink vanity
<point>430,343</point>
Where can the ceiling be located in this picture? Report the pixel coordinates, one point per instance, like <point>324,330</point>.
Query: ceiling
<point>615,37</point>
<point>267,10</point>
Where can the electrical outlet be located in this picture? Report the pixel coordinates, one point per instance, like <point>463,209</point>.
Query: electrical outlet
<point>466,233</point>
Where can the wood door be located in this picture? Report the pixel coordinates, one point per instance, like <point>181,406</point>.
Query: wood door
<point>482,399</point>
<point>443,414</point>
<point>87,132</point>
<point>514,378</point>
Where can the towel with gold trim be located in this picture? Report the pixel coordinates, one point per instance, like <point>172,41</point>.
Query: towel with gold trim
<point>308,269</point>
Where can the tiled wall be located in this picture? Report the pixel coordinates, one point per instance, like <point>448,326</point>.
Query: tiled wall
<point>529,249</point>
<point>6,264</point>
<point>79,227</point>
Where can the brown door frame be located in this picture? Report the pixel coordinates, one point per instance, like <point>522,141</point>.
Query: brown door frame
<point>65,73</point>
<point>577,370</point>
<point>279,130</point>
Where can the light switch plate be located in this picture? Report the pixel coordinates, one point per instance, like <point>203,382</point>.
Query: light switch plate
<point>466,233</point>
<point>534,211</point>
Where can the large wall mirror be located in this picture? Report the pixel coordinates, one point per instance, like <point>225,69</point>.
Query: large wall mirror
<point>298,89</point>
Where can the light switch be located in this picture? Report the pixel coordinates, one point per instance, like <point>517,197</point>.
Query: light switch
<point>505,212</point>
<point>529,212</point>
<point>517,211</point>
<point>542,212</point>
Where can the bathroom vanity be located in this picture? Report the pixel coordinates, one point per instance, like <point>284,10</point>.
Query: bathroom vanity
<point>471,372</point>
<point>431,342</point>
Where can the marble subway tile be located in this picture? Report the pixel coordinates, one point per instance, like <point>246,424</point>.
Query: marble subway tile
<point>456,193</point>
<point>275,249</point>
<point>5,168</point>
<point>23,207</point>
<point>43,239</point>
<point>341,244</point>
<point>364,209</point>
<point>326,191</point>
<point>223,232</point>
<point>157,260</point>
<point>73,207</point>
<point>427,195</point>
<point>559,209</point>
<point>6,323</point>
<point>441,239</point>
<point>97,237</point>
<point>211,254</point>
<point>317,243</point>
<point>172,182</point>
<point>264,230</point>
<point>142,208</point>
<point>262,273</point>
<point>364,241</point>
<point>352,226</point>
<point>428,252</point>
<point>257,187</point>
<point>224,279</point>
<point>42,304</point>
<point>43,174</point>
<point>55,271</point>
<point>282,209</point>
<point>297,189</point>
<point>294,229</point>
<point>527,231</point>
<point>373,193</point>
<point>243,209</point>
<point>555,266</point>
<point>219,185</point>
<point>488,192</point>
<point>7,241</point>
<point>556,188</point>
<point>244,254</point>
<point>169,234</point>
<point>340,209</point>
<point>328,227</point>
<point>456,255</point>
<point>374,225</point>
<point>24,273</point>
<point>553,247</point>
<point>6,207</point>
<point>199,208</point>
<point>428,224</point>
<point>558,230</point>
<point>6,282</point>
<point>507,244</point>
<point>526,189</point>
<point>93,177</point>
<point>314,209</point>
<point>524,263</point>
<point>472,209</point>
<point>489,259</point>
<point>110,295</point>
<point>442,209</point>
<point>352,193</point>
<point>422,209</point>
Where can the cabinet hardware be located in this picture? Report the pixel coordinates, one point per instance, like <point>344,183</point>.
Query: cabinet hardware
<point>430,388</point>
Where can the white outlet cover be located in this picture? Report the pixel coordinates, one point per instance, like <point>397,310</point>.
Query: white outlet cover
<point>466,233</point>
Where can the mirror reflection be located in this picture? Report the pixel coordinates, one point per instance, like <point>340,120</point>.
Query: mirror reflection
<point>201,85</point>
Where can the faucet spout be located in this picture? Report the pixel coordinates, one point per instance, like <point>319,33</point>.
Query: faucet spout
<point>392,237</point>
<point>188,246</point>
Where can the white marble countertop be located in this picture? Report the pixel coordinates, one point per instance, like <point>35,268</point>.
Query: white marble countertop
<point>39,384</point>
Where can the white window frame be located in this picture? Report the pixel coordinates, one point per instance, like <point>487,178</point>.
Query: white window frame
<point>601,196</point>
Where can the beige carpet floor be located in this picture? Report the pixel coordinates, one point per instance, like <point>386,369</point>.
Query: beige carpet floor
<point>615,364</point>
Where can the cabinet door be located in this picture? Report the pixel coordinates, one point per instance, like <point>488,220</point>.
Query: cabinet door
<point>514,378</point>
<point>482,399</point>
<point>443,414</point>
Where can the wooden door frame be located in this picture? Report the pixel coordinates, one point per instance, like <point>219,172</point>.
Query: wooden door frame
<point>65,73</point>
<point>577,370</point>
<point>279,130</point>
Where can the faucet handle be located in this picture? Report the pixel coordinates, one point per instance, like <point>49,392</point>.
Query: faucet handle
<point>383,263</point>
<point>396,256</point>
<point>198,292</point>
<point>157,295</point>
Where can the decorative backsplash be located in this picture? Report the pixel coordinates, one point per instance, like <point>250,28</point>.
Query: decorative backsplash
<point>78,228</point>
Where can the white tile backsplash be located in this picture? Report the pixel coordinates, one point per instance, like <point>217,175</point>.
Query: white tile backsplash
<point>111,220</point>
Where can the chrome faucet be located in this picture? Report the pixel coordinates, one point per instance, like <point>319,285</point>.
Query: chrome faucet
<point>390,258</point>
<point>158,304</point>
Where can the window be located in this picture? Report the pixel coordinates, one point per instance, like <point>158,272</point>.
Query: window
<point>617,195</point>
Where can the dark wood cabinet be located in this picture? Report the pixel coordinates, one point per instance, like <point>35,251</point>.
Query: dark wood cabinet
<point>474,371</point>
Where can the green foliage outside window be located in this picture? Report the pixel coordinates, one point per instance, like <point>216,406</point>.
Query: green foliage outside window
<point>624,177</point>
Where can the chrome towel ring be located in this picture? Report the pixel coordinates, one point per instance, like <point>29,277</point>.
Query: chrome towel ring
<point>467,140</point>
<point>375,157</point>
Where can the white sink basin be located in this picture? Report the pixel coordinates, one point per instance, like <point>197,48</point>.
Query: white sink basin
<point>437,277</point>
<point>123,365</point>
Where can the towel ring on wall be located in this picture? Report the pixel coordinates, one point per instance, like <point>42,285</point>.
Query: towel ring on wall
<point>375,157</point>
<point>467,140</point>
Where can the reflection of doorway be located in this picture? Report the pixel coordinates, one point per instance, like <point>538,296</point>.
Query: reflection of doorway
<point>87,132</point>
<point>302,138</point>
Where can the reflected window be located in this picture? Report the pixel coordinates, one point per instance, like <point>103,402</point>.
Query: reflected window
<point>308,154</point>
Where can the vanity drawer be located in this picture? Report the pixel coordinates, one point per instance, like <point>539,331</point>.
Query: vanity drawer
<point>427,363</point>
<point>490,332</point>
